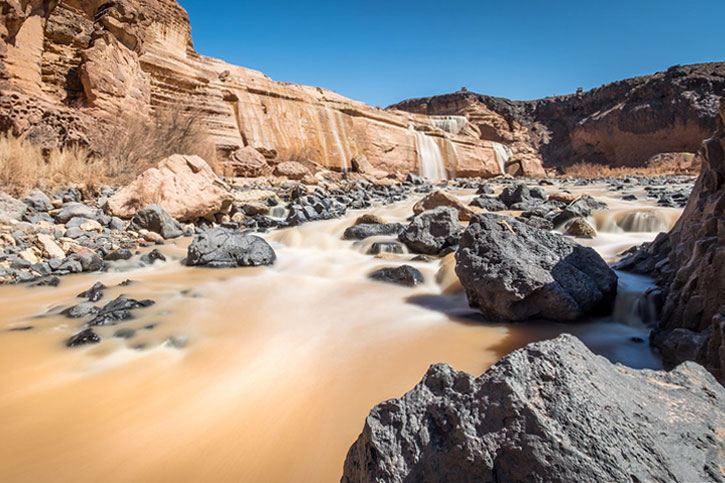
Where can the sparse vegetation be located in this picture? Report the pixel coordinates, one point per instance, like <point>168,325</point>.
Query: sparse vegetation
<point>131,146</point>
<point>683,164</point>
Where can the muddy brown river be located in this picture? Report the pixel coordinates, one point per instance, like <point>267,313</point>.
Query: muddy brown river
<point>259,374</point>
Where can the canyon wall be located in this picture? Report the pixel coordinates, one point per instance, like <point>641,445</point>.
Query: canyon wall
<point>692,265</point>
<point>69,69</point>
<point>620,124</point>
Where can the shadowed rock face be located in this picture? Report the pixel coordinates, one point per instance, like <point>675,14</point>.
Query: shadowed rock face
<point>623,124</point>
<point>551,412</point>
<point>68,68</point>
<point>512,271</point>
<point>693,319</point>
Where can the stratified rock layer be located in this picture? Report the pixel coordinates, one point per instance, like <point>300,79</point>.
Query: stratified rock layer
<point>551,412</point>
<point>624,123</point>
<point>69,68</point>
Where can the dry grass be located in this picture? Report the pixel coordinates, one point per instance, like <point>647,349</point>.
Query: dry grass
<point>136,143</point>
<point>24,167</point>
<point>685,165</point>
<point>131,146</point>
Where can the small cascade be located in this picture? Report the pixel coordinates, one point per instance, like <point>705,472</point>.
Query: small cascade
<point>430,158</point>
<point>652,220</point>
<point>450,124</point>
<point>503,154</point>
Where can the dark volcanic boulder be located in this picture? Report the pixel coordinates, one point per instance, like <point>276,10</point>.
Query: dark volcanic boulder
<point>223,248</point>
<point>154,218</point>
<point>513,271</point>
<point>489,203</point>
<point>522,194</point>
<point>403,275</point>
<point>118,310</point>
<point>551,412</point>
<point>432,231</point>
<point>366,230</point>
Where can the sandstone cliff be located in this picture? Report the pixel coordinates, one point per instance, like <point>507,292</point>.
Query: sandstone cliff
<point>622,124</point>
<point>70,68</point>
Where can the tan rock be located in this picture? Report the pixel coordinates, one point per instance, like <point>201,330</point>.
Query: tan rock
<point>563,197</point>
<point>247,162</point>
<point>91,225</point>
<point>253,196</point>
<point>441,198</point>
<point>29,256</point>
<point>291,170</point>
<point>185,186</point>
<point>49,247</point>
<point>580,228</point>
<point>369,219</point>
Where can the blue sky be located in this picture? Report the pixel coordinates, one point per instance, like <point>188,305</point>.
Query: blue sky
<point>382,52</point>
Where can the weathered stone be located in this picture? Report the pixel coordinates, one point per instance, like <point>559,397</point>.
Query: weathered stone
<point>38,201</point>
<point>552,411</point>
<point>222,248</point>
<point>184,186</point>
<point>432,231</point>
<point>441,198</point>
<point>247,162</point>
<point>154,218</point>
<point>403,275</point>
<point>512,271</point>
<point>579,227</point>
<point>11,209</point>
<point>366,230</point>
<point>291,170</point>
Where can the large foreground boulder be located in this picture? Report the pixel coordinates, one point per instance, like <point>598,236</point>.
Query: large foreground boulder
<point>223,248</point>
<point>513,271</point>
<point>184,186</point>
<point>551,412</point>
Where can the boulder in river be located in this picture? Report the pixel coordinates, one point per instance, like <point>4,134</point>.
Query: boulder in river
<point>432,231</point>
<point>403,275</point>
<point>366,230</point>
<point>441,198</point>
<point>154,218</point>
<point>513,271</point>
<point>224,248</point>
<point>550,412</point>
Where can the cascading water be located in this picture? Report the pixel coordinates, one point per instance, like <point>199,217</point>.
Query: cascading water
<point>636,221</point>
<point>430,158</point>
<point>503,154</point>
<point>450,124</point>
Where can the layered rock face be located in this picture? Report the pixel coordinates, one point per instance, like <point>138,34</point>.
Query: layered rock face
<point>622,124</point>
<point>552,412</point>
<point>693,318</point>
<point>68,68</point>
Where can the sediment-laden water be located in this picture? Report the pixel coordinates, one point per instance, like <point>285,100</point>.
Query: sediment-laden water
<point>260,374</point>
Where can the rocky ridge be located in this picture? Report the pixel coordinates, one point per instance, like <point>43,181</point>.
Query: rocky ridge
<point>625,123</point>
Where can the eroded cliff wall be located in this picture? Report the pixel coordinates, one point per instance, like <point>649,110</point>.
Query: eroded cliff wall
<point>71,68</point>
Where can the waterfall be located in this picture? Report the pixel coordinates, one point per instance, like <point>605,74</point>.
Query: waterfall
<point>503,154</point>
<point>430,158</point>
<point>450,124</point>
<point>652,220</point>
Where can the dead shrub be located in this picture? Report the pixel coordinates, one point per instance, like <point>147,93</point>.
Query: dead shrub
<point>135,142</point>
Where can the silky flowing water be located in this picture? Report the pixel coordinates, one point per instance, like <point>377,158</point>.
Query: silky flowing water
<point>256,374</point>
